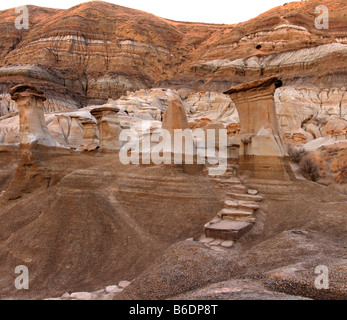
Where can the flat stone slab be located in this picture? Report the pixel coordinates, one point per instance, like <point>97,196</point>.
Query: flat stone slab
<point>238,188</point>
<point>215,243</point>
<point>231,204</point>
<point>230,181</point>
<point>215,220</point>
<point>124,284</point>
<point>248,205</point>
<point>207,240</point>
<point>245,197</point>
<point>229,213</point>
<point>227,244</point>
<point>82,296</point>
<point>228,230</point>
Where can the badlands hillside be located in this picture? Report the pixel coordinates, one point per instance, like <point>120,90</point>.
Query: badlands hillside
<point>82,221</point>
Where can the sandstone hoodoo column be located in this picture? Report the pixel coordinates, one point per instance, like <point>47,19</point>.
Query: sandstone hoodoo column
<point>36,144</point>
<point>175,119</point>
<point>109,128</point>
<point>90,136</point>
<point>262,152</point>
<point>33,128</point>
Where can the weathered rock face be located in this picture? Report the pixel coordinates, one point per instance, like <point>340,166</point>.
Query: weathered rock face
<point>260,132</point>
<point>77,214</point>
<point>302,116</point>
<point>33,129</point>
<point>109,128</point>
<point>128,50</point>
<point>262,149</point>
<point>175,117</point>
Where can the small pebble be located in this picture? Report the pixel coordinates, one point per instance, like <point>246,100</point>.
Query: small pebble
<point>66,295</point>
<point>215,243</point>
<point>108,296</point>
<point>124,284</point>
<point>81,296</point>
<point>227,244</point>
<point>113,289</point>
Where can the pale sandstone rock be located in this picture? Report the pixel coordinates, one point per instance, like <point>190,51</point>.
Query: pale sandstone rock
<point>215,243</point>
<point>109,296</point>
<point>75,138</point>
<point>175,117</point>
<point>253,192</point>
<point>313,130</point>
<point>90,134</point>
<point>260,131</point>
<point>113,289</point>
<point>227,244</point>
<point>33,128</point>
<point>109,128</point>
<point>295,106</point>
<point>124,284</point>
<point>207,240</point>
<point>82,296</point>
<point>334,123</point>
<point>66,295</point>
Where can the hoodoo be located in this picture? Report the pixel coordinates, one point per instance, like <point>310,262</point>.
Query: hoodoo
<point>33,128</point>
<point>261,147</point>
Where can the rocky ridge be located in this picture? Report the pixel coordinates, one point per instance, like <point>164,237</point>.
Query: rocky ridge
<point>128,50</point>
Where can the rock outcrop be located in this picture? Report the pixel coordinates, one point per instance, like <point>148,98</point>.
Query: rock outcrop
<point>109,128</point>
<point>175,117</point>
<point>78,65</point>
<point>80,219</point>
<point>260,132</point>
<point>262,150</point>
<point>33,128</point>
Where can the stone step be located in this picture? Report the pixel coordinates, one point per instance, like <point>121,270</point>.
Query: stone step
<point>238,188</point>
<point>244,205</point>
<point>215,220</point>
<point>245,197</point>
<point>228,230</point>
<point>228,213</point>
<point>224,176</point>
<point>233,181</point>
<point>244,219</point>
<point>250,205</point>
<point>206,240</point>
<point>252,192</point>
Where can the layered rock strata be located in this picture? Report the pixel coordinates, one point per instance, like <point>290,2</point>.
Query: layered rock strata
<point>129,50</point>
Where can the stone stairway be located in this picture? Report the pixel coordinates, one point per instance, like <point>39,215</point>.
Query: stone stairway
<point>239,213</point>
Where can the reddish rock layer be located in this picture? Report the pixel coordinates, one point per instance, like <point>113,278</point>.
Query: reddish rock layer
<point>96,50</point>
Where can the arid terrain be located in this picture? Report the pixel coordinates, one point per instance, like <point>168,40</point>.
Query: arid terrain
<point>87,226</point>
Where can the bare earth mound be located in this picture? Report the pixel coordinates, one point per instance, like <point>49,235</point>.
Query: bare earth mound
<point>101,223</point>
